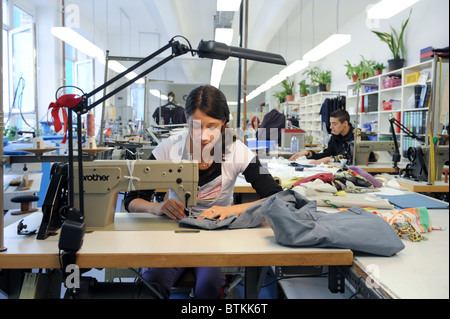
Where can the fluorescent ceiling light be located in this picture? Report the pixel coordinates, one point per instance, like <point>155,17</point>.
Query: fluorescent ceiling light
<point>290,70</point>
<point>228,5</point>
<point>77,41</point>
<point>275,80</point>
<point>326,47</point>
<point>294,67</point>
<point>386,9</point>
<point>119,68</point>
<point>158,94</point>
<point>216,72</point>
<point>224,35</point>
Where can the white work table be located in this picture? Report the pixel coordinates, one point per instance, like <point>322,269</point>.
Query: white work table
<point>420,270</point>
<point>167,245</point>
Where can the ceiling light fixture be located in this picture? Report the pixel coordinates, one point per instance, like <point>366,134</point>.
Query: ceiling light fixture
<point>228,5</point>
<point>117,67</point>
<point>294,68</point>
<point>290,70</point>
<point>77,41</point>
<point>386,9</point>
<point>158,94</point>
<point>222,35</point>
<point>328,46</point>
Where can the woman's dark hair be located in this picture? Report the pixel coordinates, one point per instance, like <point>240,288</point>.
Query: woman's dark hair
<point>209,100</point>
<point>213,103</point>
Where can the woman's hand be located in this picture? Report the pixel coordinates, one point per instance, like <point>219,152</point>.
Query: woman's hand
<point>219,212</point>
<point>173,208</point>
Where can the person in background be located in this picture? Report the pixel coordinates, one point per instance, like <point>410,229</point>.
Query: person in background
<point>253,127</point>
<point>339,145</point>
<point>220,164</point>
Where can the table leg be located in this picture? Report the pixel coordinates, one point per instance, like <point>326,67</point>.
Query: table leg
<point>254,278</point>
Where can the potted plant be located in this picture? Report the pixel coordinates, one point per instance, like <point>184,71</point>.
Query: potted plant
<point>311,74</point>
<point>396,44</point>
<point>324,79</point>
<point>352,71</point>
<point>378,67</point>
<point>304,88</point>
<point>288,89</point>
<point>10,133</point>
<point>281,96</point>
<point>366,69</point>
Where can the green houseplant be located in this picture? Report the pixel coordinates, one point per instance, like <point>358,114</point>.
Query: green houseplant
<point>288,89</point>
<point>311,74</point>
<point>324,79</point>
<point>281,96</point>
<point>304,88</point>
<point>366,68</point>
<point>352,71</point>
<point>379,67</point>
<point>396,44</point>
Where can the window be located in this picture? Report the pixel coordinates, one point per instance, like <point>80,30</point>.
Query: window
<point>19,79</point>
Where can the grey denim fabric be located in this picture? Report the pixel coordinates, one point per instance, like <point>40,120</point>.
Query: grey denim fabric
<point>207,223</point>
<point>297,222</point>
<point>250,218</point>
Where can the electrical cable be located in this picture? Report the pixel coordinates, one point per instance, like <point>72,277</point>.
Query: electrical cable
<point>147,284</point>
<point>189,44</point>
<point>21,79</point>
<point>296,276</point>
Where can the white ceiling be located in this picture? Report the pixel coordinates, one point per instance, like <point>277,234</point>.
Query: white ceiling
<point>139,27</point>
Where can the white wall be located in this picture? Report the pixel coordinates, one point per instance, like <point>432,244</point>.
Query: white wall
<point>428,26</point>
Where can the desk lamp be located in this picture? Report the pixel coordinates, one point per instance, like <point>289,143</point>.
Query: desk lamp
<point>72,231</point>
<point>397,157</point>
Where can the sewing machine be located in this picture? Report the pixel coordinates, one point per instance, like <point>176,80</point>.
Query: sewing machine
<point>104,179</point>
<point>419,157</point>
<point>364,148</point>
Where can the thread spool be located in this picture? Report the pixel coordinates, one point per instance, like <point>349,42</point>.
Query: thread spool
<point>90,124</point>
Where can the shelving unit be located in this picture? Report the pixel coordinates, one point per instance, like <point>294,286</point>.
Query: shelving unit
<point>309,113</point>
<point>373,93</point>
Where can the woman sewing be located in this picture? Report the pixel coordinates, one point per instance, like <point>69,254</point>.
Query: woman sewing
<point>222,157</point>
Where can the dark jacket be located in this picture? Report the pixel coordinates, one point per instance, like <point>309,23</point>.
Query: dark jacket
<point>339,146</point>
<point>271,126</point>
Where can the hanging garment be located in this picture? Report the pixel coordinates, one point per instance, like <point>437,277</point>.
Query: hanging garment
<point>271,126</point>
<point>328,107</point>
<point>170,113</point>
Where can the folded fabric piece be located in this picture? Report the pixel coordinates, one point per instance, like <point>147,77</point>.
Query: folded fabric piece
<point>325,177</point>
<point>351,176</point>
<point>317,188</point>
<point>418,217</point>
<point>414,200</point>
<point>406,230</point>
<point>370,178</point>
<point>207,223</point>
<point>326,199</point>
<point>250,218</point>
<point>297,222</point>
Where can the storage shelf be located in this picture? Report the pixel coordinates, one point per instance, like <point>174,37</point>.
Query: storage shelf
<point>402,95</point>
<point>310,119</point>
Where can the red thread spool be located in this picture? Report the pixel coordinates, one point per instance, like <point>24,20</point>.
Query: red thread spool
<point>90,124</point>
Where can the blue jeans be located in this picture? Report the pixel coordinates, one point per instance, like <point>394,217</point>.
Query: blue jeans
<point>209,280</point>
